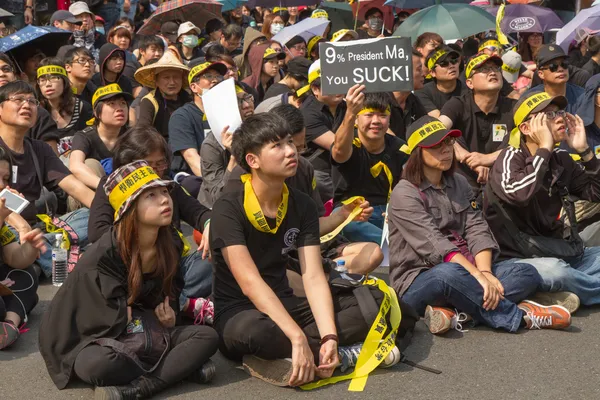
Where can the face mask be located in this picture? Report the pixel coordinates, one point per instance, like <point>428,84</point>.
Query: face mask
<point>276,28</point>
<point>204,91</point>
<point>190,41</point>
<point>375,24</point>
<point>100,29</point>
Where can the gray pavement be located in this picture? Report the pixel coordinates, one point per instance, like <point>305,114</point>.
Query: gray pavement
<point>477,364</point>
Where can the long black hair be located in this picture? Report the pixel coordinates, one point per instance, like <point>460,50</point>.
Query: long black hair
<point>67,98</point>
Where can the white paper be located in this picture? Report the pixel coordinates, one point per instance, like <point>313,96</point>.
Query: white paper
<point>385,243</point>
<point>221,108</point>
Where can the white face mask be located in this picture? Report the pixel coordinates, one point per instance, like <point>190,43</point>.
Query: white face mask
<point>276,28</point>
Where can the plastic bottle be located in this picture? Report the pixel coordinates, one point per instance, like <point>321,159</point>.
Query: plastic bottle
<point>341,267</point>
<point>60,270</point>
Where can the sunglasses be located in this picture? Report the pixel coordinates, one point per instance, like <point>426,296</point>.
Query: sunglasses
<point>551,114</point>
<point>553,67</point>
<point>446,63</point>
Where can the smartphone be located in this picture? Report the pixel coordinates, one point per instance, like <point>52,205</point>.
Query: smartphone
<point>14,202</point>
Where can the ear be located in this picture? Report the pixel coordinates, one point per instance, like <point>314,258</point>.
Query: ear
<point>469,83</point>
<point>68,68</point>
<point>253,161</point>
<point>524,128</point>
<point>540,73</point>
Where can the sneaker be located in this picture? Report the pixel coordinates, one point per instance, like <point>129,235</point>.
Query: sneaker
<point>568,300</point>
<point>276,372</point>
<point>349,356</point>
<point>538,316</point>
<point>204,374</point>
<point>440,320</point>
<point>8,334</point>
<point>204,311</point>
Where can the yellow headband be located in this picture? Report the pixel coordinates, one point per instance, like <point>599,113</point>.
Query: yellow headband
<point>423,133</point>
<point>509,69</point>
<point>320,14</point>
<point>522,113</point>
<point>368,110</point>
<point>129,185</point>
<point>51,70</point>
<point>490,43</point>
<point>197,70</point>
<point>474,63</point>
<point>103,91</point>
<point>311,44</point>
<point>313,76</point>
<point>340,34</point>
<point>238,89</point>
<point>435,57</point>
<point>277,9</point>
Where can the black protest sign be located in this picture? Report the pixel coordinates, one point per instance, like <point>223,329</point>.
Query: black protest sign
<point>382,65</point>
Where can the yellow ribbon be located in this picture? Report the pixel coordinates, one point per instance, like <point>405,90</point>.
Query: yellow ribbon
<point>474,63</point>
<point>103,91</point>
<point>51,228</point>
<point>355,212</point>
<point>501,36</point>
<point>375,348</point>
<point>51,70</point>
<point>509,69</point>
<point>129,185</point>
<point>320,14</point>
<point>368,110</point>
<point>6,236</point>
<point>435,57</point>
<point>423,133</point>
<point>312,43</point>
<point>253,211</point>
<point>186,245</point>
<point>376,170</point>
<point>489,43</point>
<point>522,113</point>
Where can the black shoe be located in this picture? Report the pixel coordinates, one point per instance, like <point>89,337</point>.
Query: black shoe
<point>204,374</point>
<point>128,392</point>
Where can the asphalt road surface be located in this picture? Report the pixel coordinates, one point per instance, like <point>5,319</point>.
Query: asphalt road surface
<point>478,364</point>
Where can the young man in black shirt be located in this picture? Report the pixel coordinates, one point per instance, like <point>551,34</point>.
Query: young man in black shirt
<point>368,163</point>
<point>257,316</point>
<point>35,164</point>
<point>443,64</point>
<point>80,64</point>
<point>482,115</point>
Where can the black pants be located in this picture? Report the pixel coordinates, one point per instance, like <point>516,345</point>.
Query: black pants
<point>191,347</point>
<point>253,332</point>
<point>25,291</point>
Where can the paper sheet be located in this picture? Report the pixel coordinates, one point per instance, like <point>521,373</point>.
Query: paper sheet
<point>221,108</point>
<point>385,246</point>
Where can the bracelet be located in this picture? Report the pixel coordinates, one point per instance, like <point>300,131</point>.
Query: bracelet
<point>327,338</point>
<point>586,153</point>
<point>26,7</point>
<point>206,223</point>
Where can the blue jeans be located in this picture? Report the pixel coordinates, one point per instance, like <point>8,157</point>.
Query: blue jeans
<point>370,231</point>
<point>579,275</point>
<point>111,12</point>
<point>451,285</point>
<point>197,277</point>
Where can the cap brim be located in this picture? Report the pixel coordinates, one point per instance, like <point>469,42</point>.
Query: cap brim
<point>279,56</point>
<point>74,21</point>
<point>560,101</point>
<point>128,98</point>
<point>438,137</point>
<point>150,185</point>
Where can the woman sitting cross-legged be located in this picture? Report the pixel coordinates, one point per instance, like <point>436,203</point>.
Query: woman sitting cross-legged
<point>112,323</point>
<point>442,250</point>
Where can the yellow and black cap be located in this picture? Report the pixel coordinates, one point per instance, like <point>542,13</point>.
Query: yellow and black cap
<point>439,55</point>
<point>478,60</point>
<point>427,132</point>
<point>108,92</point>
<point>270,54</point>
<point>533,103</point>
<point>201,68</point>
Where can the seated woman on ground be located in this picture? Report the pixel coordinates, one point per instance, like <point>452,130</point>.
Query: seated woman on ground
<point>53,88</point>
<point>18,280</point>
<point>124,289</point>
<point>92,147</point>
<point>442,251</point>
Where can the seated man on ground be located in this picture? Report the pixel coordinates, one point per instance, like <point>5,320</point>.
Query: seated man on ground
<point>442,251</point>
<point>530,183</point>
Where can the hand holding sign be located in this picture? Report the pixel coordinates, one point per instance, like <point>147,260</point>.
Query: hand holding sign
<point>355,99</point>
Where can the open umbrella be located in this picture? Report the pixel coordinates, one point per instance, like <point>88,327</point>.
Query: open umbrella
<point>527,18</point>
<point>307,28</point>
<point>340,14</point>
<point>229,5</point>
<point>588,18</point>
<point>46,38</point>
<point>198,12</point>
<point>421,3</point>
<point>282,3</point>
<point>365,5</point>
<point>450,21</point>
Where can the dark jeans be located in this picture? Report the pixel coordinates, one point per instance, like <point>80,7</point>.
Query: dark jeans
<point>25,295</point>
<point>110,12</point>
<point>451,285</point>
<point>191,347</point>
<point>253,332</point>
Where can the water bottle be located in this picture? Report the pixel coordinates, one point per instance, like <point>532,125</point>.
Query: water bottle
<point>341,266</point>
<point>60,270</point>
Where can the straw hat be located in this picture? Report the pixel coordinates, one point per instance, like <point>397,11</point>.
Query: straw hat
<point>147,75</point>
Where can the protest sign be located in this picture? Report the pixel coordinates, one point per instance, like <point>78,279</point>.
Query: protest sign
<point>221,108</point>
<point>382,65</point>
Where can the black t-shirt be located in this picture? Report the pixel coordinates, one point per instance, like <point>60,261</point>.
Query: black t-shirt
<point>354,177</point>
<point>25,179</point>
<point>319,120</point>
<point>90,143</point>
<point>88,92</point>
<point>276,89</point>
<point>433,99</point>
<point>401,119</point>
<point>230,226</point>
<point>82,112</point>
<point>188,127</point>
<point>196,53</point>
<point>304,180</point>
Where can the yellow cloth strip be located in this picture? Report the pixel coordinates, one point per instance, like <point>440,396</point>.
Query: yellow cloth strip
<point>368,110</point>
<point>422,134</point>
<point>129,185</point>
<point>355,212</point>
<point>254,212</point>
<point>51,70</point>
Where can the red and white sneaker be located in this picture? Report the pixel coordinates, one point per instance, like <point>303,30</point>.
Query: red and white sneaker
<point>204,311</point>
<point>538,316</point>
<point>440,320</point>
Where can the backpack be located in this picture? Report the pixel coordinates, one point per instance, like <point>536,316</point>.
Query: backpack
<point>151,97</point>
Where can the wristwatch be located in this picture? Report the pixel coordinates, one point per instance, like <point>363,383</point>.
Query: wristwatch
<point>587,152</point>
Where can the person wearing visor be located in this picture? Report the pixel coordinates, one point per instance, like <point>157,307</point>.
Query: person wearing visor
<point>442,252</point>
<point>264,63</point>
<point>92,150</point>
<point>344,35</point>
<point>443,64</point>
<point>188,45</point>
<point>374,25</point>
<point>482,115</point>
<point>529,185</point>
<point>128,282</point>
<point>188,124</point>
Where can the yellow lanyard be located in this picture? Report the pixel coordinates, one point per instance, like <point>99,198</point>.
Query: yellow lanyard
<point>6,236</point>
<point>253,211</point>
<point>376,170</point>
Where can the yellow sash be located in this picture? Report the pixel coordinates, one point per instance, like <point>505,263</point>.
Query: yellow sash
<point>253,211</point>
<point>376,170</point>
<point>355,212</point>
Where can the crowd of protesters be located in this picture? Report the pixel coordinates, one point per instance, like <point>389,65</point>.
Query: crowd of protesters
<point>486,175</point>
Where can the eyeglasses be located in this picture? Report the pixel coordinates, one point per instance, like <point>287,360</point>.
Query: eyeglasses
<point>447,142</point>
<point>20,100</point>
<point>159,165</point>
<point>83,61</point>
<point>7,69</point>
<point>555,114</point>
<point>42,80</point>
<point>446,63</point>
<point>553,67</point>
<point>248,98</point>
<point>299,47</point>
<point>212,77</point>
<point>493,49</point>
<point>486,69</point>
